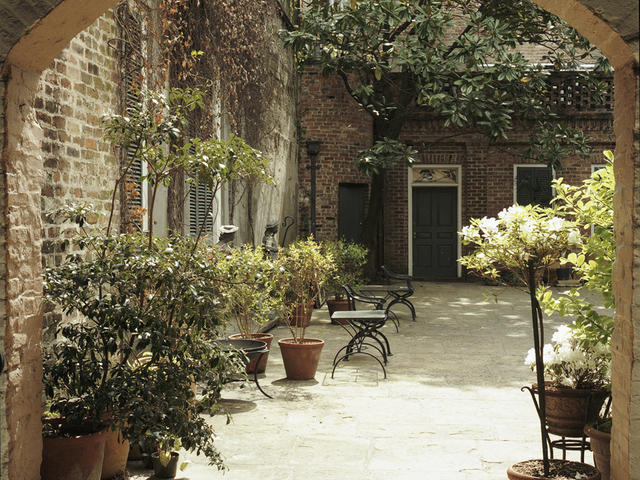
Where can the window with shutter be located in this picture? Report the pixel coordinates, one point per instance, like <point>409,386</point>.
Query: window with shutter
<point>532,185</point>
<point>131,54</point>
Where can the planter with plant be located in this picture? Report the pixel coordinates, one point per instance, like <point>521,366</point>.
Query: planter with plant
<point>148,306</point>
<point>526,240</point>
<point>590,205</point>
<point>350,259</point>
<point>249,294</point>
<point>72,451</point>
<point>303,271</point>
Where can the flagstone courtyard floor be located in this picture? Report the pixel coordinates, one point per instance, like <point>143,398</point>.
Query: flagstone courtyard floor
<point>451,407</point>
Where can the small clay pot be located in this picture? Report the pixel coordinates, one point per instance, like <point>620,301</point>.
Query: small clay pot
<point>301,315</point>
<point>300,359</point>
<point>166,471</point>
<point>264,337</point>
<point>338,306</point>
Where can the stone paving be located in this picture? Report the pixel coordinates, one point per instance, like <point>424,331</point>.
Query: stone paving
<point>451,407</point>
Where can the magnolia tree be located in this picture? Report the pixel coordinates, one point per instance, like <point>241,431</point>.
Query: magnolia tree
<point>523,240</point>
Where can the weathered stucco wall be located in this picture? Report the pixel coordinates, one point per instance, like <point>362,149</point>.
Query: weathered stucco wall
<point>277,139</point>
<point>22,160</point>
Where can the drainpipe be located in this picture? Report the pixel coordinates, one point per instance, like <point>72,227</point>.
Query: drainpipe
<point>313,149</point>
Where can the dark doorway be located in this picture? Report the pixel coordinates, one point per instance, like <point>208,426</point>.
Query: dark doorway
<point>351,199</point>
<point>435,226</point>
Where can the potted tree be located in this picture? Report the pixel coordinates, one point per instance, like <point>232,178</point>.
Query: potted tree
<point>526,240</point>
<point>249,293</point>
<point>303,271</point>
<point>148,306</point>
<point>350,259</point>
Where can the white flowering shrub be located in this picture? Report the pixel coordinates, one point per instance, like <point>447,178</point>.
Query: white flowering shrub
<point>571,363</point>
<point>590,206</point>
<point>522,237</point>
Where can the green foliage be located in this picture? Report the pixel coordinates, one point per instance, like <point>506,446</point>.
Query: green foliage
<point>384,154</point>
<point>150,307</point>
<point>458,59</point>
<point>148,317</point>
<point>249,291</point>
<point>350,259</point>
<point>590,206</point>
<point>157,131</point>
<point>303,271</point>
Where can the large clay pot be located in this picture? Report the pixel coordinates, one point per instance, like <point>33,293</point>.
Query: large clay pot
<point>566,408</point>
<point>301,315</point>
<point>116,451</point>
<point>338,306</point>
<point>300,359</point>
<point>518,470</point>
<point>601,448</point>
<point>73,457</point>
<point>265,337</point>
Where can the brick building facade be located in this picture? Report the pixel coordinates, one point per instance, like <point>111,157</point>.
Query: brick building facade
<point>485,173</point>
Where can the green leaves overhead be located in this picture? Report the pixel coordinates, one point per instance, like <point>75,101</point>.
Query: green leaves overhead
<point>459,59</point>
<point>384,154</point>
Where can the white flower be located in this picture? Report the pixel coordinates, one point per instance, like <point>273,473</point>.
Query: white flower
<point>555,224</point>
<point>574,238</point>
<point>531,358</point>
<point>562,334</point>
<point>489,225</point>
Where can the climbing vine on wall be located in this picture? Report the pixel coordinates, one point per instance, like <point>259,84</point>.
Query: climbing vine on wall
<point>215,44</point>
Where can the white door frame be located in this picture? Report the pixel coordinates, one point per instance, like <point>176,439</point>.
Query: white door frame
<point>411,185</point>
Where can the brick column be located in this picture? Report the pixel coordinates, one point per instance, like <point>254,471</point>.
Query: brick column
<point>625,443</point>
<point>23,177</point>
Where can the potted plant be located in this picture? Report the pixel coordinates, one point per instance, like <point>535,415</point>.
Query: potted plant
<point>577,382</point>
<point>525,240</point>
<point>303,271</point>
<point>72,451</point>
<point>250,296</point>
<point>599,434</point>
<point>350,259</point>
<point>166,458</point>
<point>147,306</point>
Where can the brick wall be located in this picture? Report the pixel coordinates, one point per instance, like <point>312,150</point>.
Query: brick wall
<point>327,113</point>
<point>79,87</point>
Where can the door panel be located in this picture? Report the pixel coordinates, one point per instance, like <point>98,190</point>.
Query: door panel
<point>435,238</point>
<point>351,199</point>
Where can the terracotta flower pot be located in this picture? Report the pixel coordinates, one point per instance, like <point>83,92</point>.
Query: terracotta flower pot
<point>301,315</point>
<point>337,306</point>
<point>165,471</point>
<point>300,359</point>
<point>73,457</point>
<point>601,448</point>
<point>116,451</point>
<point>265,337</point>
<point>533,470</point>
<point>566,407</point>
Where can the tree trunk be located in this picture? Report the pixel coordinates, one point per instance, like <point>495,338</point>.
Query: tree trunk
<point>371,223</point>
<point>381,129</point>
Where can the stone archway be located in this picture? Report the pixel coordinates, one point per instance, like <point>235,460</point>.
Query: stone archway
<point>614,30</point>
<point>33,34</point>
